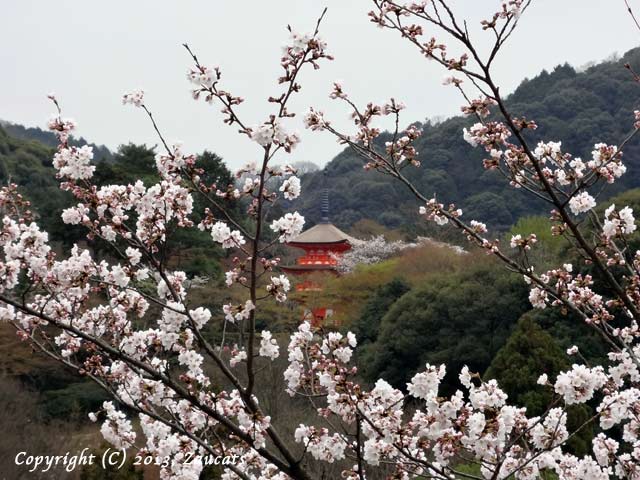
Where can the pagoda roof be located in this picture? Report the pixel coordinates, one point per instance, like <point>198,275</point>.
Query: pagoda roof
<point>324,232</point>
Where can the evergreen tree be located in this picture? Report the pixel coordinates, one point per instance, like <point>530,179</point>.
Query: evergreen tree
<point>529,352</point>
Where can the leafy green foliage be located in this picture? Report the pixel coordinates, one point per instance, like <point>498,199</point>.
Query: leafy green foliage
<point>130,163</point>
<point>630,198</point>
<point>190,250</point>
<point>367,326</point>
<point>529,352</point>
<point>28,164</point>
<point>348,294</point>
<point>550,251</point>
<point>427,305</point>
<point>456,319</point>
<point>75,398</point>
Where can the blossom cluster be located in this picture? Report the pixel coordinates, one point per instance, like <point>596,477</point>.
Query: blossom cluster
<point>288,227</point>
<point>475,421</point>
<point>272,132</point>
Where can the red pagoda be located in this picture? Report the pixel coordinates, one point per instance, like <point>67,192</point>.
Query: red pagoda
<point>321,243</point>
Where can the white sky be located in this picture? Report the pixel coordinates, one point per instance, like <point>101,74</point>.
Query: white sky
<point>89,53</point>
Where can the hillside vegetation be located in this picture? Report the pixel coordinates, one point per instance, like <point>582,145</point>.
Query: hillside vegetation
<point>577,108</point>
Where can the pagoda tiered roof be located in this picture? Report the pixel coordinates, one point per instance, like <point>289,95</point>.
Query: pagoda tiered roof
<point>322,244</point>
<point>322,233</point>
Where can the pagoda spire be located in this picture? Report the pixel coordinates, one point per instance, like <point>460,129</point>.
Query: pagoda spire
<point>324,206</point>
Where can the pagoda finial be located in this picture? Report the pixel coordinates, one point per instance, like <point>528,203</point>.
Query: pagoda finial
<point>324,207</point>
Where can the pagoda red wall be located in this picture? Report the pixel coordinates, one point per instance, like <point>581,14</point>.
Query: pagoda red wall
<point>320,254</point>
<point>317,255</point>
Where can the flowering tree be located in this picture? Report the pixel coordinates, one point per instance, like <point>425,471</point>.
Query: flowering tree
<point>84,313</point>
<point>367,252</point>
<point>377,248</point>
<point>479,426</point>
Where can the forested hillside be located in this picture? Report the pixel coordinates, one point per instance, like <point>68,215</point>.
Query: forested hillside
<point>27,162</point>
<point>47,138</point>
<point>577,108</point>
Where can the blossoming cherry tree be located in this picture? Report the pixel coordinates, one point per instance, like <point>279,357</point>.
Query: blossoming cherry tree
<point>83,312</point>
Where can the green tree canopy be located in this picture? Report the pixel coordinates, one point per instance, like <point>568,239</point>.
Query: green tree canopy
<point>366,327</point>
<point>456,319</point>
<point>529,352</point>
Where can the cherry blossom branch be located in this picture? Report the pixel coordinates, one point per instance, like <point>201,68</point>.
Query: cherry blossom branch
<point>630,11</point>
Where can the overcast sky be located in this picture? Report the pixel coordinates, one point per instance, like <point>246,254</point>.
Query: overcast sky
<point>89,53</point>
